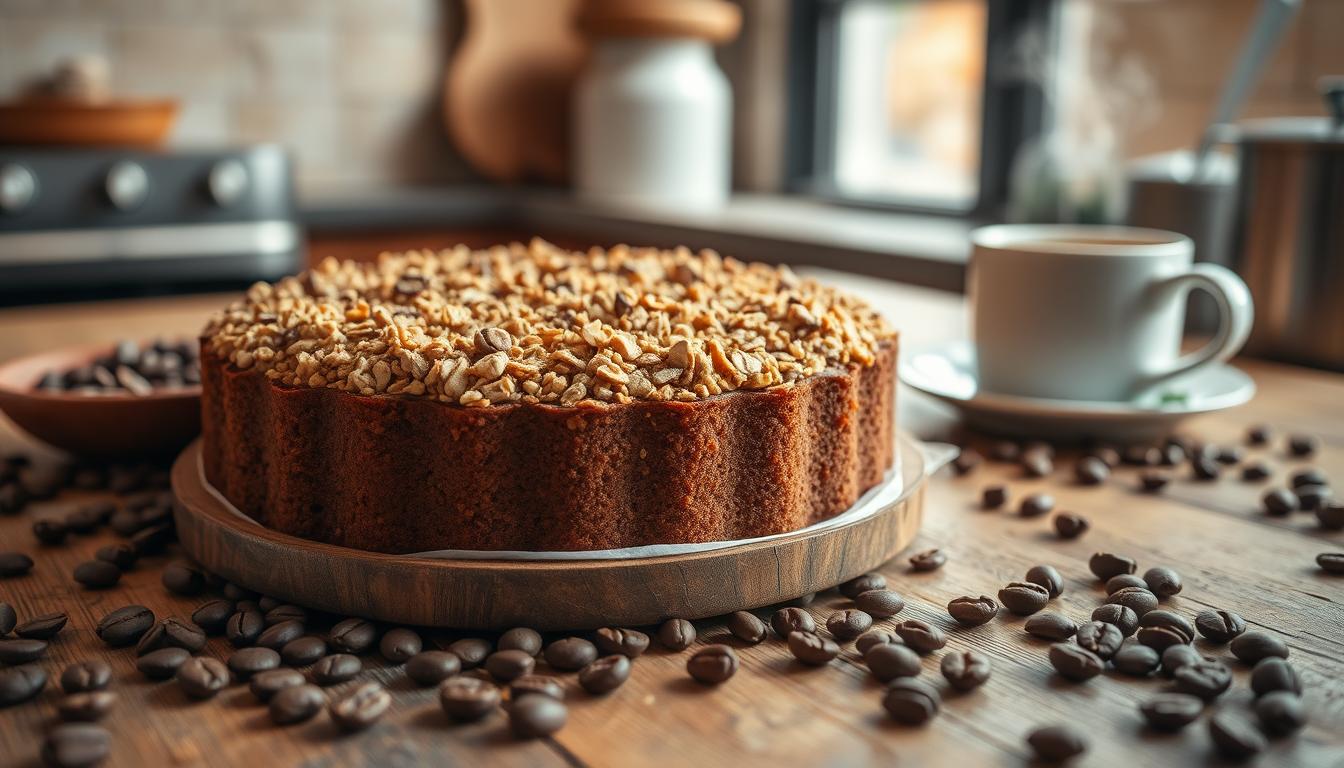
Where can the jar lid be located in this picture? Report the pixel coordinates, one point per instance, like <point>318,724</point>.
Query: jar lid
<point>716,21</point>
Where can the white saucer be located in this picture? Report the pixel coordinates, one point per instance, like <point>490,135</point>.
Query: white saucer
<point>947,372</point>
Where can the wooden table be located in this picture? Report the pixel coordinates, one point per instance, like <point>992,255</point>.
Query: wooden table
<point>776,711</point>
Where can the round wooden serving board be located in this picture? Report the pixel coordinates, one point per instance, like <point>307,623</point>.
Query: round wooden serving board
<point>546,595</point>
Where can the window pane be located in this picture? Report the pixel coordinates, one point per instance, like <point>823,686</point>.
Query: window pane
<point>909,86</point>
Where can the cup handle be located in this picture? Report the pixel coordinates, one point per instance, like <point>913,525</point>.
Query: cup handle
<point>1235,315</point>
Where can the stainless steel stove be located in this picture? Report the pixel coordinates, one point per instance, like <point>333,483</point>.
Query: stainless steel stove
<point>102,221</point>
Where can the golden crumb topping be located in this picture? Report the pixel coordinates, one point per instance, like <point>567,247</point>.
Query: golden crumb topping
<point>538,324</point>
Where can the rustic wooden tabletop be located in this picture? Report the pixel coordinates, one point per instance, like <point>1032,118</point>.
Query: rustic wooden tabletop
<point>775,711</point>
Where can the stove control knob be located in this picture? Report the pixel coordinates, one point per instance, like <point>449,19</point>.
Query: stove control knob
<point>18,187</point>
<point>127,185</point>
<point>227,182</point>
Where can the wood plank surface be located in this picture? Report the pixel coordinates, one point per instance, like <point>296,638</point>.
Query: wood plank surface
<point>775,711</point>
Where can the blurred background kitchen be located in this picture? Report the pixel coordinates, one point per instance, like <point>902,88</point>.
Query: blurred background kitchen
<point>160,146</point>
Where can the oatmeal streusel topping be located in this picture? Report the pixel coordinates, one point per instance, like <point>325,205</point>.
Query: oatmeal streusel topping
<point>538,324</point>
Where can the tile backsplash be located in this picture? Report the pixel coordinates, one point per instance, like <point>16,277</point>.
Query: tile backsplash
<point>353,87</point>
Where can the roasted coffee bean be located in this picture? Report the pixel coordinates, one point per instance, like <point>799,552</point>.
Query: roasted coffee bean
<point>911,702</point>
<point>97,574</point>
<point>1308,476</point>
<point>1119,616</point>
<point>1105,565</point>
<point>182,579</point>
<point>12,498</point>
<point>125,625</point>
<point>967,460</point>
<point>973,611</point>
<point>993,497</point>
<point>860,584</point>
<point>712,664</point>
<point>888,661</point>
<point>1205,467</point>
<point>121,555</point>
<point>1171,711</point>
<point>676,634</point>
<point>1075,663</point>
<point>540,685</point>
<point>340,667</point>
<point>1255,471</point>
<point>1163,582</point>
<point>922,636</point>
<point>1219,626</point>
<point>965,670</point>
<point>302,651</point>
<point>1234,736</point>
<point>1036,504</point>
<point>466,699</point>
<point>202,677</point>
<point>85,676</point>
<point>76,745</point>
<point>928,560</point>
<point>746,627</point>
<point>125,522</point>
<point>1228,455</point>
<point>248,662</point>
<point>163,663</point>
<point>183,634</point>
<point>1153,480</point>
<point>1302,445</point>
<point>1279,502</point>
<point>1091,471</point>
<point>351,635</point>
<point>433,667</point>
<point>50,532</point>
<point>1005,451</point>
<point>1275,674</point>
<point>152,640</point>
<point>1106,455</point>
<point>153,539</point>
<point>1251,647</point>
<point>472,651</point>
<point>529,640</point>
<point>1117,583</point>
<point>1281,713</point>
<point>1207,678</point>
<point>1258,434</point>
<point>1170,620</point>
<point>1046,576</point>
<point>509,665</point>
<point>848,624</point>
<point>1100,638</point>
<point>1057,743</point>
<point>21,650</point>
<point>1024,597</point>
<point>244,627</point>
<point>1037,464</point>
<point>213,616</point>
<point>630,643</point>
<point>277,635</point>
<point>607,673</point>
<point>264,685</point>
<point>1070,526</point>
<point>1176,656</point>
<point>14,564</point>
<point>1051,626</point>
<point>21,683</point>
<point>878,603</point>
<point>812,649</point>
<point>282,613</point>
<point>360,708</point>
<point>875,637</point>
<point>296,704</point>
<point>42,627</point>
<point>1160,638</point>
<point>1312,497</point>
<point>534,716</point>
<point>1137,599</point>
<point>786,620</point>
<point>570,654</point>
<point>1331,562</point>
<point>1136,660</point>
<point>1142,456</point>
<point>86,707</point>
<point>8,618</point>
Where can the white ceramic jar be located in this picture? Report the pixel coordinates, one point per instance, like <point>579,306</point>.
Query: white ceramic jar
<point>653,124</point>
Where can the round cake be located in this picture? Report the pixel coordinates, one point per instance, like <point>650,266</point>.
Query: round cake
<point>525,397</point>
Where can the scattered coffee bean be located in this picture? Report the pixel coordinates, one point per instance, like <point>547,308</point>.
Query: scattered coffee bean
<point>1160,638</point>
<point>1171,711</point>
<point>21,683</point>
<point>1046,576</point>
<point>1234,736</point>
<point>1170,619</point>
<point>967,460</point>
<point>85,676</point>
<point>541,685</point>
<point>878,603</point>
<point>1207,678</point>
<point>12,498</point>
<point>76,745</point>
<point>244,627</point>
<point>152,540</point>
<point>1105,565</point>
<point>1219,626</point>
<point>202,677</point>
<point>182,634</point>
<point>607,673</point>
<point>471,651</point>
<point>296,703</point>
<point>786,620</point>
<point>928,560</point>
<point>1308,476</point>
<point>1163,582</point>
<point>1142,456</point>
<point>1281,713</point>
<point>21,650</point>
<point>1005,451</point>
<point>1312,497</point>
<point>965,670</point>
<point>1302,445</point>
<point>860,584</point>
<point>888,661</point>
<point>911,701</point>
<point>1091,471</point>
<point>466,699</point>
<point>86,707</point>
<point>1070,526</point>
<point>812,649</point>
<point>712,664</point>
<point>277,635</point>
<point>340,667</point>
<point>361,708</point>
<point>509,665</point>
<point>8,618</point>
<point>676,634</point>
<point>529,640</point>
<point>1331,562</point>
<point>352,636</point>
<point>247,662</point>
<point>1051,626</point>
<point>264,685</point>
<point>1024,597</point>
<point>163,663</point>
<point>1251,647</point>
<point>282,613</point>
<point>994,497</point>
<point>922,636</point>
<point>1136,660</point>
<point>1119,616</point>
<point>1255,471</point>
<point>573,653</point>
<point>433,667</point>
<point>844,625</point>
<point>1176,656</point>
<point>14,564</point>
<point>1057,743</point>
<point>213,616</point>
<point>97,574</point>
<point>125,625</point>
<point>1117,583</point>
<point>1228,455</point>
<point>50,532</point>
<point>1100,638</point>
<point>746,627</point>
<point>1075,663</point>
<point>1036,504</point>
<point>1138,599</point>
<point>302,651</point>
<point>875,637</point>
<point>630,643</point>
<point>1205,467</point>
<point>973,611</point>
<point>182,579</point>
<point>1106,455</point>
<point>1275,674</point>
<point>43,627</point>
<point>1258,434</point>
<point>1037,464</point>
<point>534,716</point>
<point>1153,480</point>
<point>1279,502</point>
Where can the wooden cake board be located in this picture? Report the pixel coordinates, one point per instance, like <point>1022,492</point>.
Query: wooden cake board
<point>545,595</point>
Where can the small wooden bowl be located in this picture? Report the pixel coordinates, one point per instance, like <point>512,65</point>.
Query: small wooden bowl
<point>113,426</point>
<point>72,123</point>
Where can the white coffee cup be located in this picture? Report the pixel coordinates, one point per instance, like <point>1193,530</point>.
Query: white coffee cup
<point>1091,312</point>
